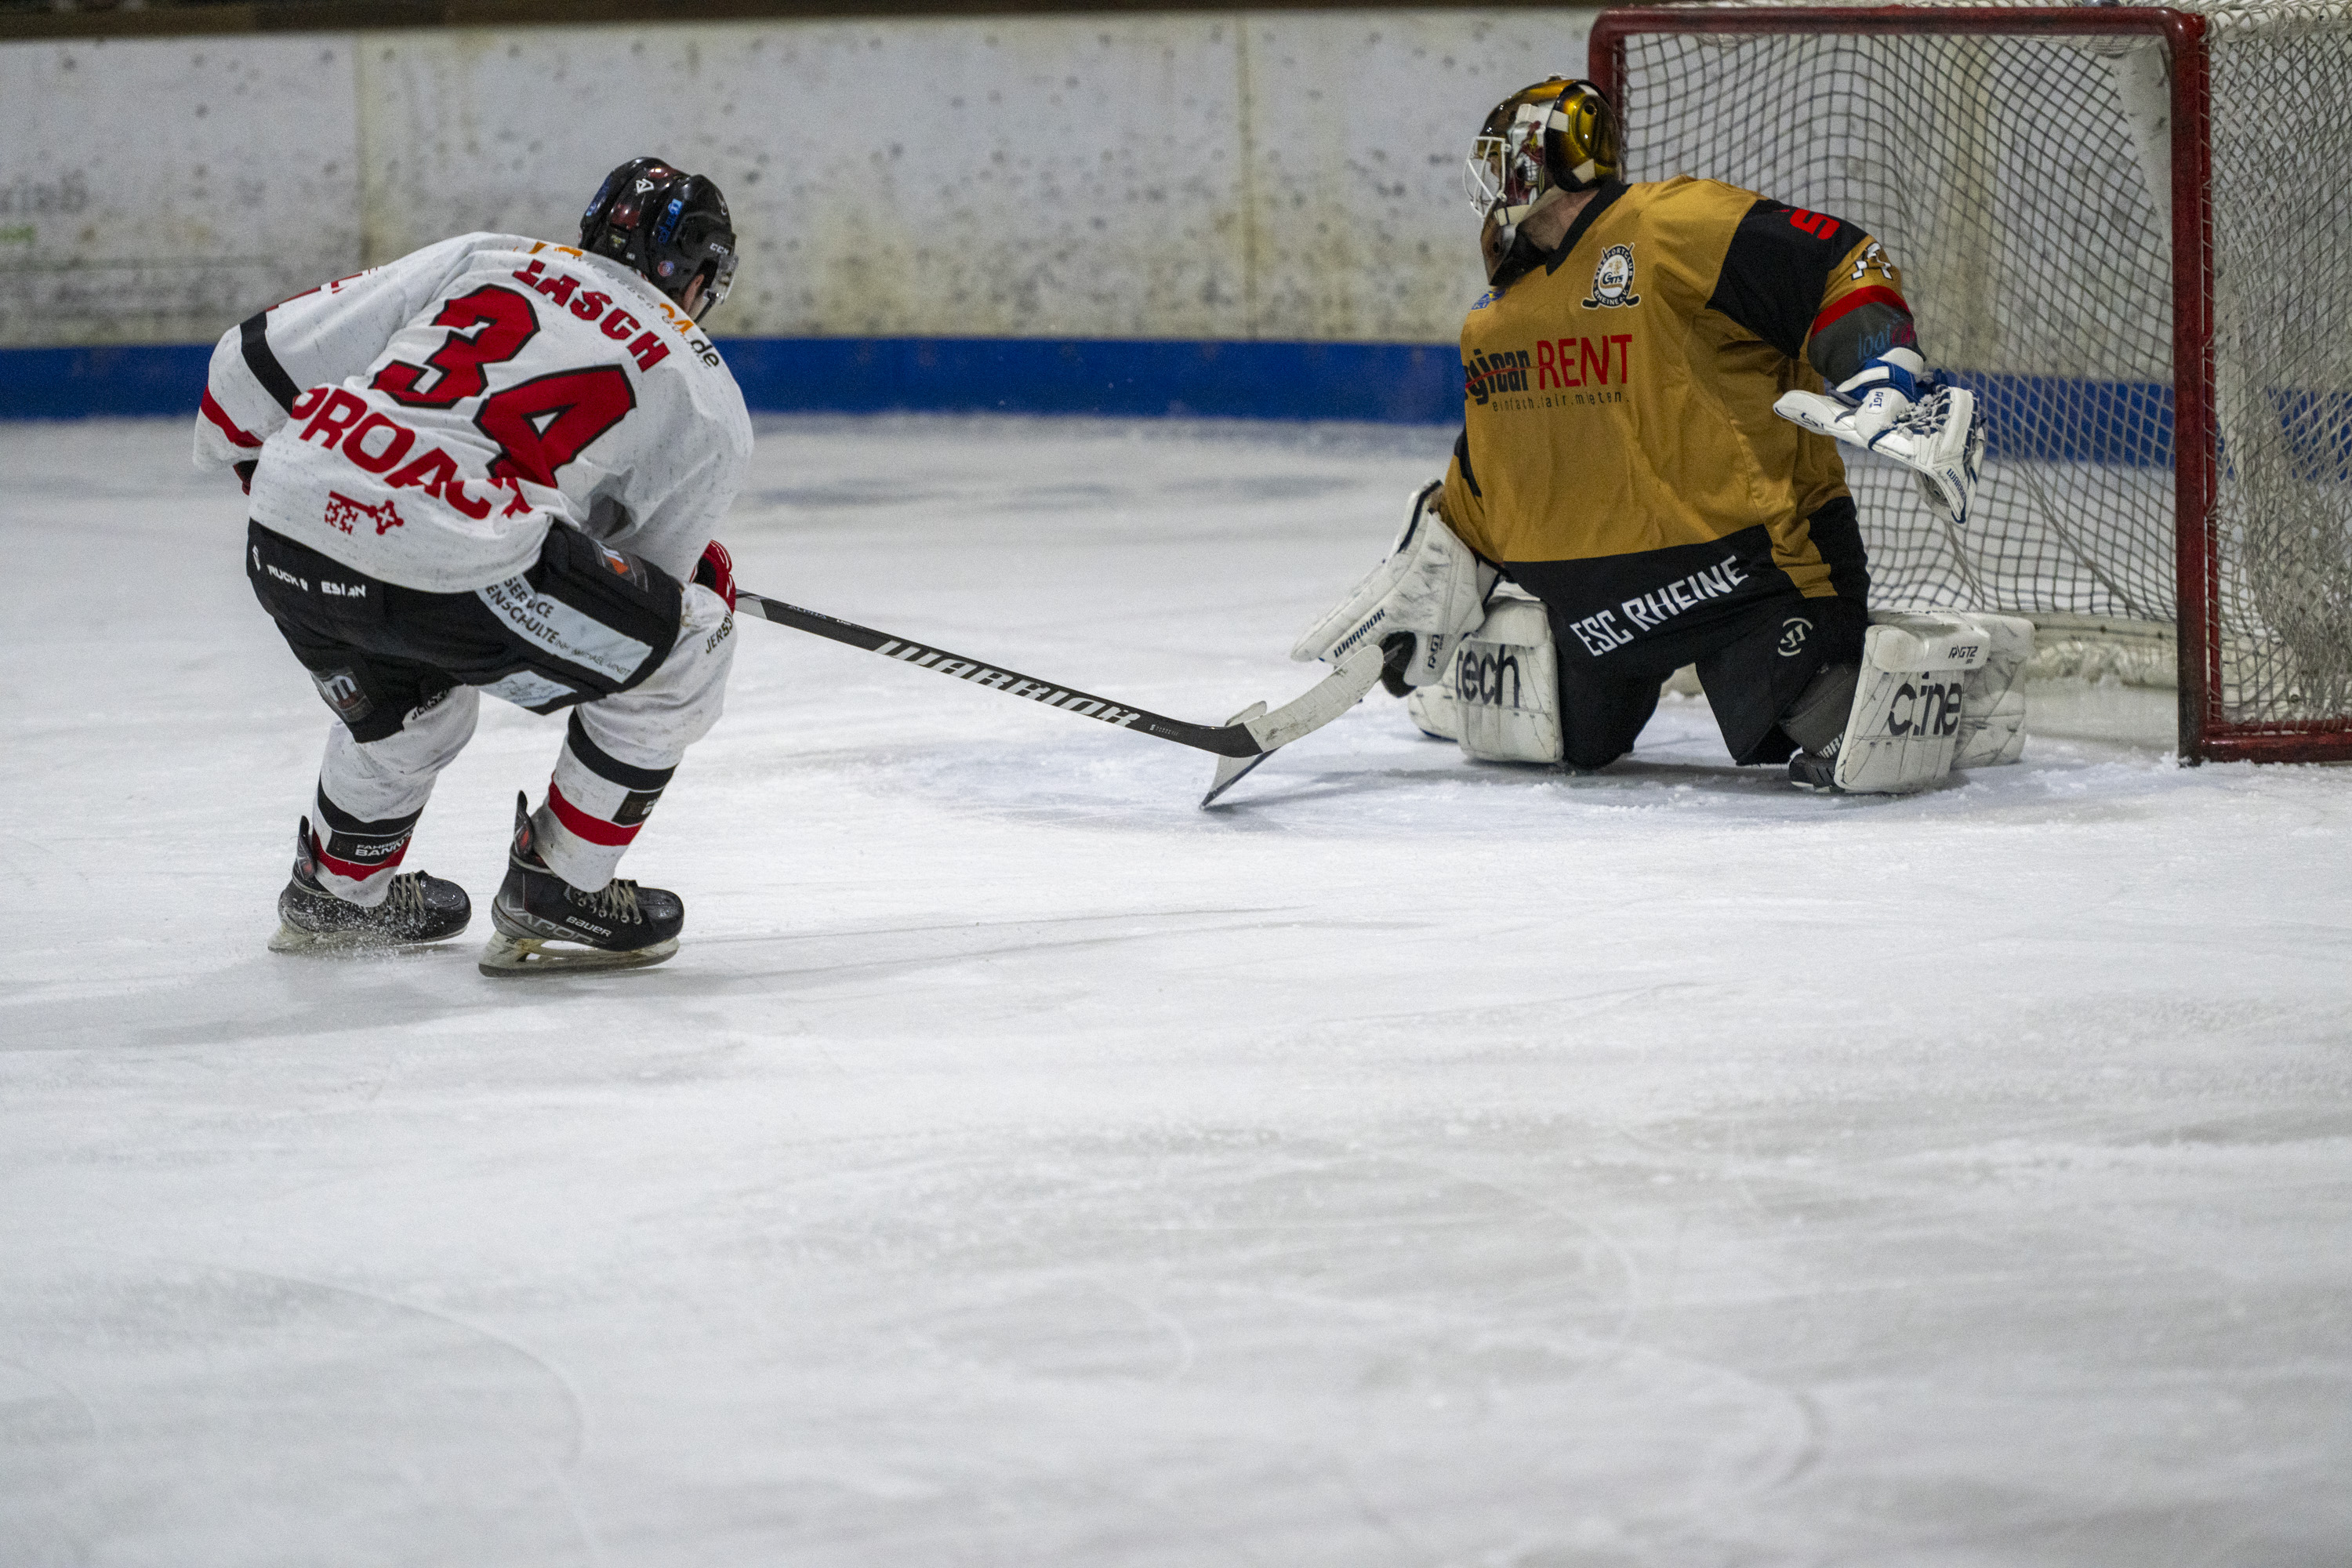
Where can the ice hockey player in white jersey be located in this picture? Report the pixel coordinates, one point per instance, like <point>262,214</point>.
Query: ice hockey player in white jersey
<point>497,465</point>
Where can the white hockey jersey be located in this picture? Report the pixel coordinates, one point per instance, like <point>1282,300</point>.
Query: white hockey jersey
<point>426,421</point>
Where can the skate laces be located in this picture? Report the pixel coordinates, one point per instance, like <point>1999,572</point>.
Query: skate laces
<point>616,901</point>
<point>406,896</point>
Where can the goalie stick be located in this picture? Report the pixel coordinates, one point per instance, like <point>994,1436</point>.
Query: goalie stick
<point>1253,735</point>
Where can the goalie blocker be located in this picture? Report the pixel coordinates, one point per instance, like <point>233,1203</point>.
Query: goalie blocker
<point>1936,692</point>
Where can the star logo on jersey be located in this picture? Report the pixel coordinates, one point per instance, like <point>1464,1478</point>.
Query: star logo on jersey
<point>1613,280</point>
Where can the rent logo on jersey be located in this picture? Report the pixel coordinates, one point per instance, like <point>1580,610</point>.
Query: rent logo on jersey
<point>1572,371</point>
<point>1600,634</point>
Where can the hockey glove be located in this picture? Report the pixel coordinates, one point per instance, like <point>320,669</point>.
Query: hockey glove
<point>716,572</point>
<point>1416,605</point>
<point>1895,407</point>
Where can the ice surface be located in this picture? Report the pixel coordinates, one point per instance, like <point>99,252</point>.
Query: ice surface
<point>1414,1164</point>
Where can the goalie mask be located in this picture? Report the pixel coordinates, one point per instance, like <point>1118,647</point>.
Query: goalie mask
<point>668,226</point>
<point>1536,146</point>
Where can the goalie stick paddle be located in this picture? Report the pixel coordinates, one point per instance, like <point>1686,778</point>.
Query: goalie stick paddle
<point>1253,733</point>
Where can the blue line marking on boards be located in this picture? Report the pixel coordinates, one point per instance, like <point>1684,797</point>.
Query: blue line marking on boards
<point>2031,418</point>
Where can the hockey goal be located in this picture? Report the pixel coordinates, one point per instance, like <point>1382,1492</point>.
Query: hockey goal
<point>2129,230</point>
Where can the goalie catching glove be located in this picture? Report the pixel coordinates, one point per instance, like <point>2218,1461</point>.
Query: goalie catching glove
<point>1895,407</point>
<point>1416,605</point>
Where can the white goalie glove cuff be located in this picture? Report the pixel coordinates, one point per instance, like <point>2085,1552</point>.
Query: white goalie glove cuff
<point>1432,587</point>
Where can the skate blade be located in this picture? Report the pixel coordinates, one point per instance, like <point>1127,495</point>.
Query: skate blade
<point>507,956</point>
<point>343,943</point>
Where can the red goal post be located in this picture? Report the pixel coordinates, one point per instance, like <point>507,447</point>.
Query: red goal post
<point>2046,177</point>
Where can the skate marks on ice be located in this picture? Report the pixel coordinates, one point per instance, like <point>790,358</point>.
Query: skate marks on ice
<point>1278,1348</point>
<point>157,1408</point>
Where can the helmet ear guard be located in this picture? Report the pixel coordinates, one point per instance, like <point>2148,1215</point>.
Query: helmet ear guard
<point>668,227</point>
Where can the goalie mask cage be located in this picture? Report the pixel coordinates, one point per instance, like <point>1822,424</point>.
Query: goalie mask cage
<point>2128,230</point>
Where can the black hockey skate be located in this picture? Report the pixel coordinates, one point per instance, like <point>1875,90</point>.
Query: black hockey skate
<point>1808,770</point>
<point>623,926</point>
<point>419,908</point>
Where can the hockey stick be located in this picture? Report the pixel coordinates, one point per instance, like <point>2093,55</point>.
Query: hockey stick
<point>1253,733</point>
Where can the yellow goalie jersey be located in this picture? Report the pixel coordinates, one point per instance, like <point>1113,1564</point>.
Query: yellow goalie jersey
<point>1619,456</point>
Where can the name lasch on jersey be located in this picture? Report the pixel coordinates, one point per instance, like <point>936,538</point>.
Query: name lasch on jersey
<point>559,287</point>
<point>1557,373</point>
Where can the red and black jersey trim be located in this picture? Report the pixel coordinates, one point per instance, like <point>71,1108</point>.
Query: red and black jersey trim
<point>253,338</point>
<point>1777,269</point>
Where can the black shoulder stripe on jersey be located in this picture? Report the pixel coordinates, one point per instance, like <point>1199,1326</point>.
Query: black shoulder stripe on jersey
<point>1461,455</point>
<point>606,766</point>
<point>253,336</point>
<point>1775,268</point>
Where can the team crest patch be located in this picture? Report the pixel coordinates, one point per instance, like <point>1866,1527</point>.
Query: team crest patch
<point>1613,280</point>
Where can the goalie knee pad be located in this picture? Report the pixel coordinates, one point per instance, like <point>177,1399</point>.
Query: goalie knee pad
<point>1504,684</point>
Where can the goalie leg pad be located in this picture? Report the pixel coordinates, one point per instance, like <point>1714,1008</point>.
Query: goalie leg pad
<point>1905,726</point>
<point>1506,687</point>
<point>1992,698</point>
<point>1430,708</point>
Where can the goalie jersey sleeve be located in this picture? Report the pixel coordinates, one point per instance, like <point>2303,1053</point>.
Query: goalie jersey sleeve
<point>428,421</point>
<point>1620,455</point>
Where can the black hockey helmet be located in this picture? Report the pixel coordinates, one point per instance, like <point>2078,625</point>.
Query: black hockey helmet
<point>1558,136</point>
<point>672,228</point>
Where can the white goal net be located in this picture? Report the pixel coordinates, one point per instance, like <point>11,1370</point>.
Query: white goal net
<point>2170,423</point>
